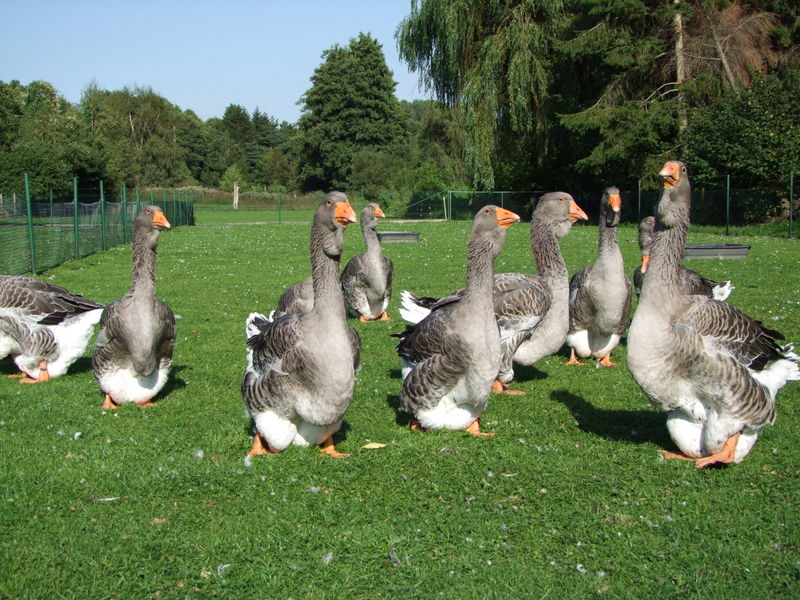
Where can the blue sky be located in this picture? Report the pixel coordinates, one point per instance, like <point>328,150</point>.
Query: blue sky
<point>200,55</point>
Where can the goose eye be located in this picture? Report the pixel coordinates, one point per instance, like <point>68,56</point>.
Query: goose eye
<point>486,211</point>
<point>328,203</point>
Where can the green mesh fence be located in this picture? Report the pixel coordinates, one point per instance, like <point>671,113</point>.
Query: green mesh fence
<point>53,232</point>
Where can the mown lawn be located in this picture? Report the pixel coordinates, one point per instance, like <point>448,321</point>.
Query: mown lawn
<point>570,500</point>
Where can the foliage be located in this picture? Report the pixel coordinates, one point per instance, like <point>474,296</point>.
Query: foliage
<point>753,136</point>
<point>350,107</point>
<point>490,59</point>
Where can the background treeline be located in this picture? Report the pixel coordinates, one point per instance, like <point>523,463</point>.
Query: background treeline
<point>530,94</point>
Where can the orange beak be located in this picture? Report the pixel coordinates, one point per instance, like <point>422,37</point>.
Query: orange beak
<point>576,212</point>
<point>159,220</point>
<point>645,262</point>
<point>670,174</point>
<point>615,202</point>
<point>379,212</point>
<point>505,218</point>
<point>344,214</point>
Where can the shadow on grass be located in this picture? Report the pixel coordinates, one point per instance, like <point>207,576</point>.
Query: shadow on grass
<point>633,426</point>
<point>530,373</point>
<point>401,417</point>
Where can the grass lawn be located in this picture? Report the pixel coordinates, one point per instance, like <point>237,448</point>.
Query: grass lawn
<point>570,500</point>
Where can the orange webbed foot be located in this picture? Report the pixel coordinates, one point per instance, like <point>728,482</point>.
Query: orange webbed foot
<point>475,429</point>
<point>679,455</point>
<point>415,425</point>
<point>326,447</point>
<point>109,404</point>
<point>573,358</point>
<point>259,447</point>
<point>44,375</point>
<point>385,316</point>
<point>606,361</point>
<point>725,456</point>
<point>498,387</point>
<point>146,403</point>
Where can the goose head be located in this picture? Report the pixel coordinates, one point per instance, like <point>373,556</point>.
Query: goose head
<point>370,215</point>
<point>675,194</point>
<point>333,214</point>
<point>611,206</point>
<point>646,227</point>
<point>491,224</point>
<point>149,224</point>
<point>559,211</point>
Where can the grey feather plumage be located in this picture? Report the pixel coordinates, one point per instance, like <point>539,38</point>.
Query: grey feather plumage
<point>713,368</point>
<point>367,277</point>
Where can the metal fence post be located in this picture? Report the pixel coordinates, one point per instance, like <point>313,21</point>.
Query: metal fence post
<point>124,213</point>
<point>76,217</point>
<point>102,216</point>
<point>727,204</point>
<point>791,201</point>
<point>30,224</point>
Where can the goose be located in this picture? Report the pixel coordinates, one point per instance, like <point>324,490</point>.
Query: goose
<point>301,367</point>
<point>714,369</point>
<point>692,283</point>
<point>452,356</point>
<point>367,277</point>
<point>523,303</point>
<point>45,327</point>
<point>297,299</point>
<point>133,351</point>
<point>600,295</point>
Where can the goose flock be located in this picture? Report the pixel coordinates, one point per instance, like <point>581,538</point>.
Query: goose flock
<point>712,368</point>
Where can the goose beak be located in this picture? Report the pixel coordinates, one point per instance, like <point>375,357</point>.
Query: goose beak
<point>615,202</point>
<point>670,174</point>
<point>379,212</point>
<point>505,218</point>
<point>645,262</point>
<point>344,214</point>
<point>576,212</point>
<point>160,221</point>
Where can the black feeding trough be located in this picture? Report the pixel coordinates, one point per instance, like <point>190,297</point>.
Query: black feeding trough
<point>723,251</point>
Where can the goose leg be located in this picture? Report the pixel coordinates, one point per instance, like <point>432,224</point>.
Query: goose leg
<point>573,359</point>
<point>475,429</point>
<point>108,404</point>
<point>326,447</point>
<point>498,387</point>
<point>606,361</point>
<point>726,455</point>
<point>415,425</point>
<point>385,316</point>
<point>43,374</point>
<point>259,447</point>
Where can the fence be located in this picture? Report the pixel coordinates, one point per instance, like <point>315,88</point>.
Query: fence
<point>719,207</point>
<point>37,235</point>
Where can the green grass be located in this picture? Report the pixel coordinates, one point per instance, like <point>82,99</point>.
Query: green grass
<point>569,500</point>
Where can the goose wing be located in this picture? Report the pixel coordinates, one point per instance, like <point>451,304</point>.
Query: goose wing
<point>519,302</point>
<point>40,302</point>
<point>581,307</point>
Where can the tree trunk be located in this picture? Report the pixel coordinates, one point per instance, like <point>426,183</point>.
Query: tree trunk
<point>680,65</point>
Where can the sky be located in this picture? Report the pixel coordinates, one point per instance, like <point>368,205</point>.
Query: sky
<point>200,55</point>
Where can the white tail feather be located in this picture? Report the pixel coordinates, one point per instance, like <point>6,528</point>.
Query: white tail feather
<point>722,291</point>
<point>251,327</point>
<point>410,310</point>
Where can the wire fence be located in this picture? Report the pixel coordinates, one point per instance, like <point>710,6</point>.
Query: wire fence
<point>37,234</point>
<point>727,207</point>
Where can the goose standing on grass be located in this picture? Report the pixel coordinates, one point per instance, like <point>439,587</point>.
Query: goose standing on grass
<point>133,352</point>
<point>367,278</point>
<point>523,303</point>
<point>299,378</point>
<point>452,356</point>
<point>692,283</point>
<point>600,295</point>
<point>714,369</point>
<point>45,327</point>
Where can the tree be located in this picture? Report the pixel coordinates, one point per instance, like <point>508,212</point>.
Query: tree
<point>491,60</point>
<point>349,107</point>
<point>753,135</point>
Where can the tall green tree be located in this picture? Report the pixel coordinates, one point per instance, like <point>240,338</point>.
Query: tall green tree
<point>350,106</point>
<point>489,58</point>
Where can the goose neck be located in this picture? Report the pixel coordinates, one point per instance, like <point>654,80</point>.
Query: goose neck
<point>326,248</point>
<point>662,286</point>
<point>144,268</point>
<point>546,251</point>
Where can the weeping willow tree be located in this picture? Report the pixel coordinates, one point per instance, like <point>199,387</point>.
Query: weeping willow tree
<point>491,60</point>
